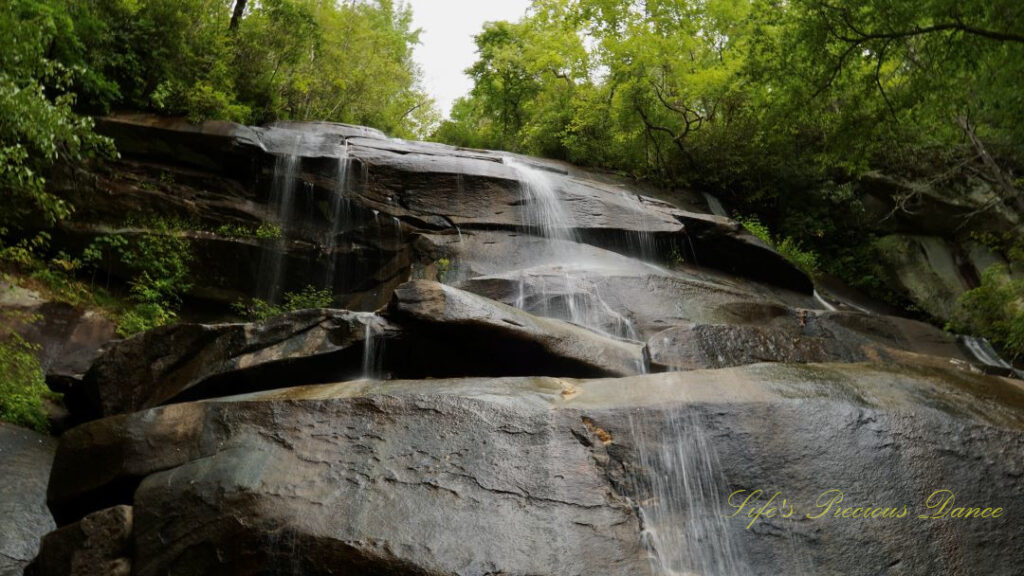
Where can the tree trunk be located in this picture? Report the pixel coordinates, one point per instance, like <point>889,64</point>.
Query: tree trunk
<point>236,17</point>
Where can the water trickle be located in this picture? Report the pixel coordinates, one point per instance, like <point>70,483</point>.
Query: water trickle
<point>373,351</point>
<point>282,195</point>
<point>341,213</point>
<point>681,496</point>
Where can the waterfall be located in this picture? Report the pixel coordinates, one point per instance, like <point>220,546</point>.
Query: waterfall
<point>373,351</point>
<point>341,213</point>
<point>543,213</point>
<point>282,195</point>
<point>576,296</point>
<point>681,496</point>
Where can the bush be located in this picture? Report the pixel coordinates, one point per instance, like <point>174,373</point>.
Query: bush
<point>258,310</point>
<point>790,249</point>
<point>994,310</point>
<point>159,262</point>
<point>22,383</point>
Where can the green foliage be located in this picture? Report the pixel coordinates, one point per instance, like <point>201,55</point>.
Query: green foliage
<point>287,59</point>
<point>23,389</point>
<point>158,262</point>
<point>37,124</point>
<point>308,297</point>
<point>257,310</point>
<point>265,230</point>
<point>994,310</point>
<point>790,249</point>
<point>444,266</point>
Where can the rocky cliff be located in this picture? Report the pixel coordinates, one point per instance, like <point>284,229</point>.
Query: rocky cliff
<point>531,370</point>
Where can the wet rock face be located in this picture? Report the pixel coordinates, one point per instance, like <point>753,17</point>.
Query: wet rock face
<point>358,202</point>
<point>490,416</point>
<point>544,476</point>
<point>25,460</point>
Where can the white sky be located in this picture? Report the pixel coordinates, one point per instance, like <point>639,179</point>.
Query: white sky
<point>446,43</point>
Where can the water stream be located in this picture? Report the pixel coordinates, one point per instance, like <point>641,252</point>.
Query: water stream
<point>282,202</point>
<point>681,496</point>
<point>572,295</point>
<point>341,213</point>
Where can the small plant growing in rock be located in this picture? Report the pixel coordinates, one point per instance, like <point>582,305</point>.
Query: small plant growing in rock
<point>444,266</point>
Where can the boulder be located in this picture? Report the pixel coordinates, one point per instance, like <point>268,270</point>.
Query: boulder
<point>97,545</point>
<point>478,335</point>
<point>758,332</point>
<point>553,476</point>
<point>70,338</point>
<point>194,360</point>
<point>927,269</point>
<point>25,460</point>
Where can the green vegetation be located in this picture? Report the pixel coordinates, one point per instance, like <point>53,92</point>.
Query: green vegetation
<point>38,125</point>
<point>256,309</point>
<point>265,230</point>
<point>280,59</point>
<point>23,389</point>
<point>779,108</point>
<point>995,310</point>
<point>158,262</point>
<point>789,248</point>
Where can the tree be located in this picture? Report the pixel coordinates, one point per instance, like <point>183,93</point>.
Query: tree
<point>236,16</point>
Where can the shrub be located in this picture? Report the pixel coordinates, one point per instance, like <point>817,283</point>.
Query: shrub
<point>258,310</point>
<point>22,383</point>
<point>790,249</point>
<point>994,310</point>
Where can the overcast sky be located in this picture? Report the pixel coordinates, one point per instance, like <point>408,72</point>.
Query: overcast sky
<point>446,43</point>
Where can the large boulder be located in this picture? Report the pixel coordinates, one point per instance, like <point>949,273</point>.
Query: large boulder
<point>97,545</point>
<point>927,269</point>
<point>430,330</point>
<point>552,476</point>
<point>195,360</point>
<point>70,338</point>
<point>752,332</point>
<point>25,460</point>
<point>503,340</point>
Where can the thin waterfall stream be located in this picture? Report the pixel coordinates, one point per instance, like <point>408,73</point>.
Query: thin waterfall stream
<point>341,213</point>
<point>282,202</point>
<point>681,489</point>
<point>681,496</point>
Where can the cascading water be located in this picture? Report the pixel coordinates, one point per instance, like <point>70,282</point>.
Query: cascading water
<point>341,213</point>
<point>543,213</point>
<point>282,194</point>
<point>575,296</point>
<point>681,496</point>
<point>373,351</point>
